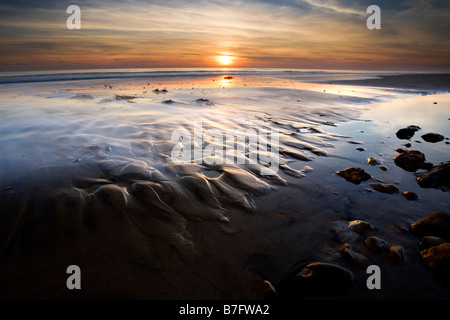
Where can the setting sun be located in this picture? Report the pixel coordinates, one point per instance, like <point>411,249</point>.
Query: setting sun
<point>225,60</point>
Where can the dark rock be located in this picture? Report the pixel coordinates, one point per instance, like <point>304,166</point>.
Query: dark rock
<point>375,244</point>
<point>437,258</point>
<point>411,160</point>
<point>361,149</point>
<point>383,168</point>
<point>204,101</point>
<point>430,241</point>
<point>384,188</point>
<point>317,278</point>
<point>228,77</point>
<point>407,133</point>
<point>263,289</point>
<point>437,177</point>
<point>396,254</point>
<point>82,97</point>
<point>354,175</point>
<point>359,226</point>
<point>408,145</point>
<point>432,137</point>
<point>409,195</point>
<point>122,97</point>
<point>435,224</point>
<point>373,161</point>
<point>357,258</point>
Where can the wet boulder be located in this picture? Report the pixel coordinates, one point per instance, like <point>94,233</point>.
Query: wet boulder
<point>407,133</point>
<point>430,241</point>
<point>411,160</point>
<point>437,177</point>
<point>396,254</point>
<point>437,258</point>
<point>375,244</point>
<point>432,137</point>
<point>435,224</point>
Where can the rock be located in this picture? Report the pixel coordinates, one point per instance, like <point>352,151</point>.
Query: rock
<point>396,254</point>
<point>349,231</point>
<point>435,224</point>
<point>373,161</point>
<point>317,278</point>
<point>432,137</point>
<point>411,160</point>
<point>437,177</point>
<point>360,226</point>
<point>437,258</point>
<point>354,175</point>
<point>79,96</point>
<point>361,149</point>
<point>357,258</point>
<point>263,289</point>
<point>122,97</point>
<point>407,133</point>
<point>384,188</point>
<point>228,77</point>
<point>375,244</point>
<point>430,241</point>
<point>409,195</point>
<point>383,168</point>
<point>408,145</point>
<point>204,101</point>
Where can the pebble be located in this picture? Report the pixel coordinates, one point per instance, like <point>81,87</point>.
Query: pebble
<point>385,188</point>
<point>357,258</point>
<point>409,195</point>
<point>373,161</point>
<point>354,175</point>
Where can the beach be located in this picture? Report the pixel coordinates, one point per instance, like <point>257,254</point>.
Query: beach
<point>89,177</point>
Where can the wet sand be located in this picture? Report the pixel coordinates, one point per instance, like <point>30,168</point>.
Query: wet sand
<point>87,179</point>
<point>430,82</point>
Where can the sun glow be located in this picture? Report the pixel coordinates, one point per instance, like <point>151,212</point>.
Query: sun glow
<point>225,60</point>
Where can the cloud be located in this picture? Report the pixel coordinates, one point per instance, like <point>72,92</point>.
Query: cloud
<point>296,33</point>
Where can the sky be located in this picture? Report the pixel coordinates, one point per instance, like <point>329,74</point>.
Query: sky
<point>306,34</point>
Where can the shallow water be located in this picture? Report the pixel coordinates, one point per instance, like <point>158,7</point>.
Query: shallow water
<point>87,178</point>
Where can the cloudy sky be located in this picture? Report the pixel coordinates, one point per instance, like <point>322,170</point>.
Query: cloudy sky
<point>311,34</point>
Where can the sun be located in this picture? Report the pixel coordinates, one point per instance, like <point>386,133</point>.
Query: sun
<point>225,60</point>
